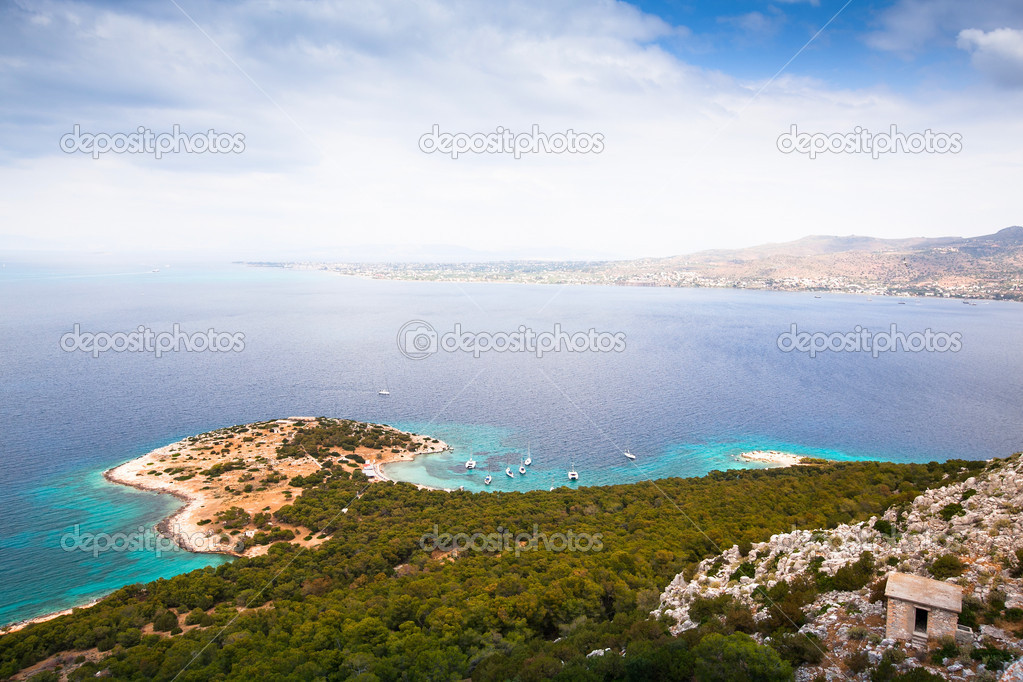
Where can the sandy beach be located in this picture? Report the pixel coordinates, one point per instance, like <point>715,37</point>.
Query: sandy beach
<point>780,459</point>
<point>14,627</point>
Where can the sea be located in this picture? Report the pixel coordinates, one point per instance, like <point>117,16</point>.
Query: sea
<point>685,379</point>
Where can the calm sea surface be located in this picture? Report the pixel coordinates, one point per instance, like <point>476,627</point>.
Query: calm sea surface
<point>700,380</point>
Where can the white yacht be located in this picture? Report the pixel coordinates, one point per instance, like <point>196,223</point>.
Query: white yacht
<point>573,475</point>
<point>529,459</point>
<point>470,463</point>
<point>629,454</point>
<point>509,472</point>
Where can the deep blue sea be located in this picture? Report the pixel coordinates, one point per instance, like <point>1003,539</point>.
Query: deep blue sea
<point>701,378</point>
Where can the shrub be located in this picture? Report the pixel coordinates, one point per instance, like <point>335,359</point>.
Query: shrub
<point>991,657</point>
<point>946,566</point>
<point>857,662</point>
<point>877,590</point>
<point>918,675</point>
<point>198,617</point>
<point>950,510</point>
<point>738,658</point>
<point>745,569</point>
<point>233,517</point>
<point>883,527</point>
<point>165,621</point>
<point>885,670</point>
<point>798,648</point>
<point>855,575</point>
<point>971,608</point>
<point>1017,570</point>
<point>129,637</point>
<point>739,618</point>
<point>947,649</point>
<point>704,608</point>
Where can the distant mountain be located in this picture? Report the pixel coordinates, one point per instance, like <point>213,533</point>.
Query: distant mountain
<point>990,266</point>
<point>819,245</point>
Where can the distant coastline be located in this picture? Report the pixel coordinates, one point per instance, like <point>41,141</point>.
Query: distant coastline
<point>980,268</point>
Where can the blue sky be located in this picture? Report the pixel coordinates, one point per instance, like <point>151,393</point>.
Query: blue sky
<point>754,39</point>
<point>332,99</point>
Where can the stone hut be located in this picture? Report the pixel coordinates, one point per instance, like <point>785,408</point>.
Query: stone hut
<point>920,609</point>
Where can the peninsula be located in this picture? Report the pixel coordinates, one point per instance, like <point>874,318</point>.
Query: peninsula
<point>233,480</point>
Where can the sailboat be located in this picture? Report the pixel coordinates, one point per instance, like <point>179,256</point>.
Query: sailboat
<point>573,475</point>
<point>384,390</point>
<point>470,463</point>
<point>489,478</point>
<point>629,454</point>
<point>522,467</point>
<point>509,472</point>
<point>529,459</point>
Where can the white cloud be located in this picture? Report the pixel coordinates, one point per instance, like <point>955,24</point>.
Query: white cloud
<point>689,162</point>
<point>914,25</point>
<point>997,54</point>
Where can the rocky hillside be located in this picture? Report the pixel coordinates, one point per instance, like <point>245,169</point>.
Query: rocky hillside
<point>829,584</point>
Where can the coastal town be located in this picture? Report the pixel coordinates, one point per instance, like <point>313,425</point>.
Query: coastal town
<point>982,268</point>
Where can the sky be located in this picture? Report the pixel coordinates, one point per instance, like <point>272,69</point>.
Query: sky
<point>682,125</point>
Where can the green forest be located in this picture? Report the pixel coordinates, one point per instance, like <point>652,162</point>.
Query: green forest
<point>374,602</point>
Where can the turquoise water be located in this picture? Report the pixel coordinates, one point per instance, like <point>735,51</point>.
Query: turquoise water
<point>66,511</point>
<point>495,449</point>
<point>701,380</point>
